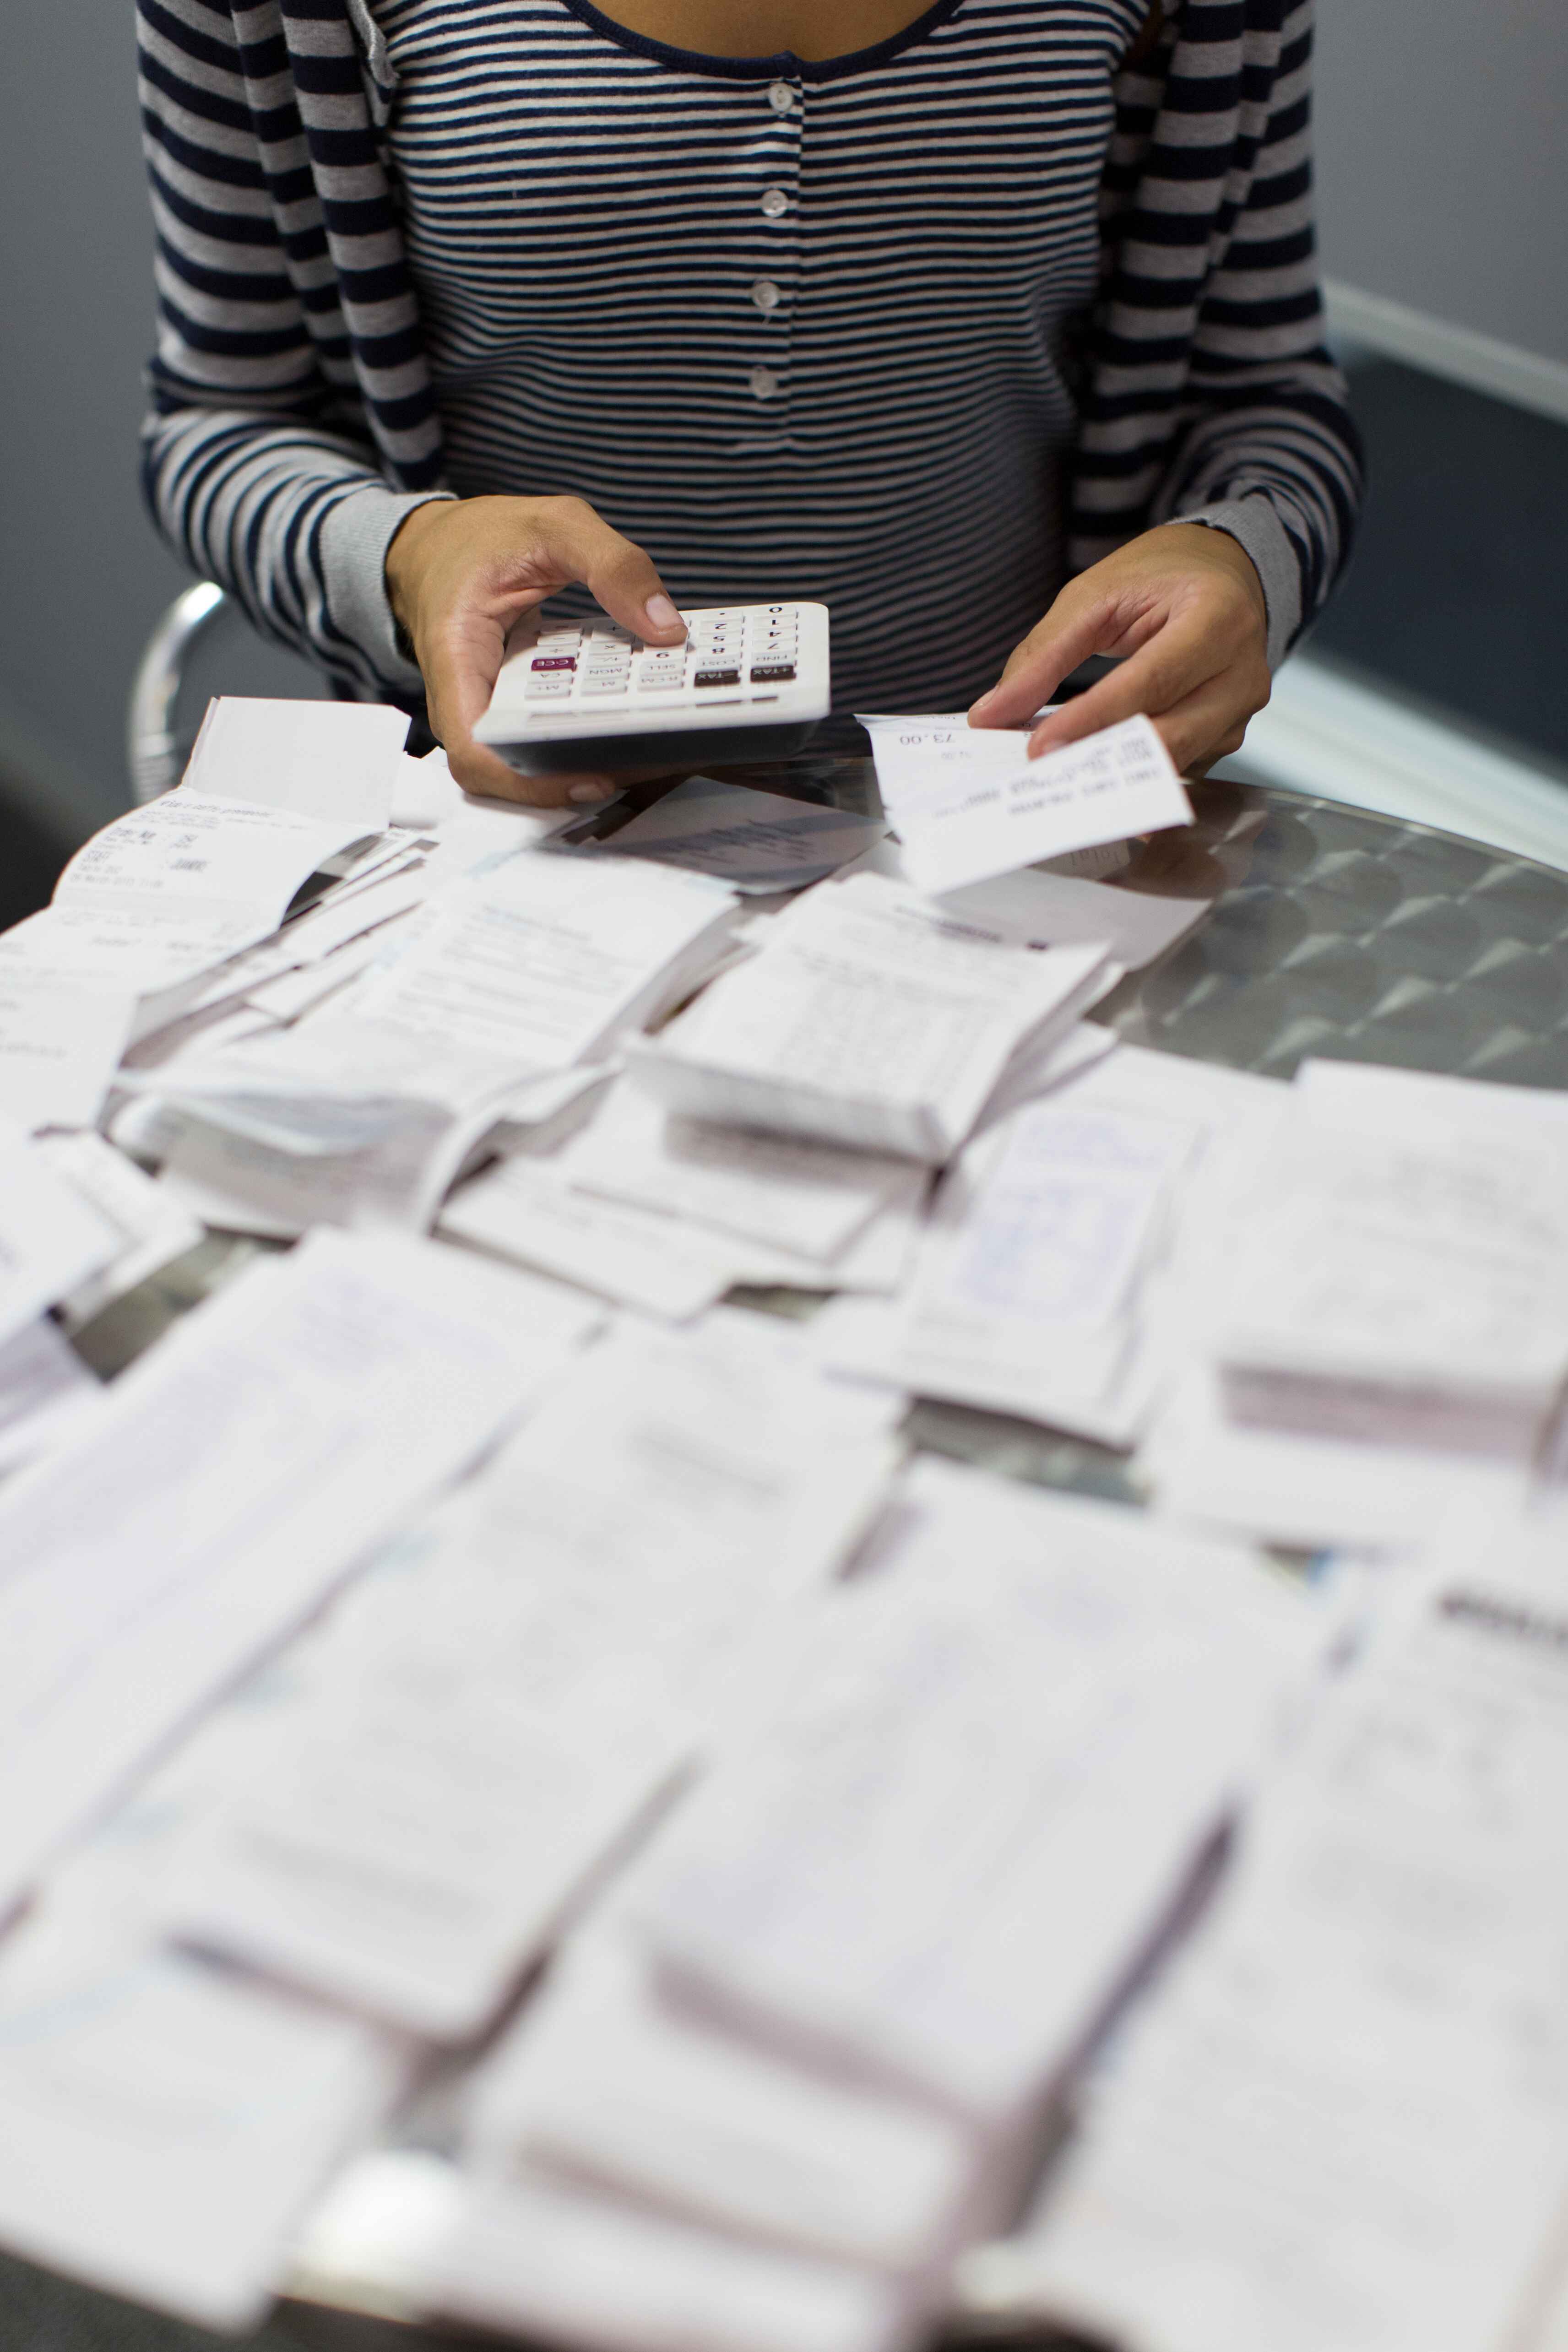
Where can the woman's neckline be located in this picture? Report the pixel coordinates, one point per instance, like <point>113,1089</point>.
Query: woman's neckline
<point>783,66</point>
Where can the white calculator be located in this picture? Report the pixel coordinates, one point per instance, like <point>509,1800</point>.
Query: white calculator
<point>750,683</point>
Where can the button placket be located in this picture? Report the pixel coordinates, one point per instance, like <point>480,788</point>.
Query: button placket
<point>771,291</point>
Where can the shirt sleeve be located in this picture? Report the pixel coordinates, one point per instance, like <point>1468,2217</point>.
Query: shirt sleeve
<point>256,467</point>
<point>1265,447</point>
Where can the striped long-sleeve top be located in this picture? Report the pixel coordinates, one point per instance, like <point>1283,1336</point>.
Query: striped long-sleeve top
<point>915,330</point>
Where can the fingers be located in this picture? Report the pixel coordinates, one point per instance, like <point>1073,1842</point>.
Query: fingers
<point>1179,659</point>
<point>622,575</point>
<point>1074,628</point>
<point>1201,727</point>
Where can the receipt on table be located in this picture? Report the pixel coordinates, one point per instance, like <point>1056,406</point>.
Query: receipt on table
<point>752,841</point>
<point>567,2267</point>
<point>784,1190</point>
<point>1045,906</point>
<point>1343,2117</point>
<point>541,960</point>
<point>60,1038</point>
<point>1405,1275</point>
<point>1039,1692</point>
<point>1023,1290</point>
<point>869,1019</point>
<point>333,760</point>
<point>164,2123</point>
<point>232,1476</point>
<point>51,1238</point>
<point>151,1228</point>
<point>599,2079</point>
<point>609,1604</point>
<point>968,804</point>
<point>167,891</point>
<point>44,1388</point>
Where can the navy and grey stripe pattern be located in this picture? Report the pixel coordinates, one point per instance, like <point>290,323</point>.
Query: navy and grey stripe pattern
<point>855,331</point>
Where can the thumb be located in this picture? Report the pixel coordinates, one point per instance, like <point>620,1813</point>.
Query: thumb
<point>624,578</point>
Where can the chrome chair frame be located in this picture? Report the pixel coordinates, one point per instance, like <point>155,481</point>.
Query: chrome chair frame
<point>155,753</point>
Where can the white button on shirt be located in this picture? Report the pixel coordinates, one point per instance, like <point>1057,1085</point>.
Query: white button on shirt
<point>765,384</point>
<point>781,98</point>
<point>774,202</point>
<point>764,294</point>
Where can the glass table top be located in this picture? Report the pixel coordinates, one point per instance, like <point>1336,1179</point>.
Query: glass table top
<point>1331,931</point>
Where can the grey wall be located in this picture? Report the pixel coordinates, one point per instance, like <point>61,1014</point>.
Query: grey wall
<point>1442,140</point>
<point>82,576</point>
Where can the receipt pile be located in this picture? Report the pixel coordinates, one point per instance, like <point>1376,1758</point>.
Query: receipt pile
<point>1342,2117</point>
<point>471,1657</point>
<point>801,2059</point>
<point>1390,1336</point>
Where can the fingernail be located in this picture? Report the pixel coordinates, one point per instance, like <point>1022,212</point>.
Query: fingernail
<point>590,793</point>
<point>661,612</point>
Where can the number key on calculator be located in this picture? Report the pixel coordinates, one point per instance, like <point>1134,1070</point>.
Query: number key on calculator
<point>750,682</point>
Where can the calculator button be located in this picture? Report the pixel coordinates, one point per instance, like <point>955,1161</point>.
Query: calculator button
<point>601,685</point>
<point>765,294</point>
<point>771,673</point>
<point>547,690</point>
<point>554,661</point>
<point>717,678</point>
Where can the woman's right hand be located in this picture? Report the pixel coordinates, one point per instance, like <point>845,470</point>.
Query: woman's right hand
<point>462,573</point>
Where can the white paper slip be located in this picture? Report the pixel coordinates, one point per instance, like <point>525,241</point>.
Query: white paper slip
<point>1023,1294</point>
<point>320,759</point>
<point>60,1039</point>
<point>43,1388</point>
<point>523,1210</point>
<point>605,1606</point>
<point>291,994</point>
<point>751,841</point>
<point>868,1019</point>
<point>1033,1689</point>
<point>167,891</point>
<point>1340,2120</point>
<point>151,1229</point>
<point>51,1238</point>
<point>1275,1486</point>
<point>165,2123</point>
<point>361,909</point>
<point>337,1121</point>
<point>1062,902</point>
<point>424,796</point>
<point>234,1476</point>
<point>967,808</point>
<point>1035,1071</point>
<point>1405,1277</point>
<point>780,1190</point>
<point>198,856</point>
<point>542,961</point>
<point>600,2082</point>
<point>567,2267</point>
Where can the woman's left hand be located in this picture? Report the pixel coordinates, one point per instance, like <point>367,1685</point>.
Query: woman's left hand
<point>1185,606</point>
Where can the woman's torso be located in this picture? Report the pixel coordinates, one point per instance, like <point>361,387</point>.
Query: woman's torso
<point>798,327</point>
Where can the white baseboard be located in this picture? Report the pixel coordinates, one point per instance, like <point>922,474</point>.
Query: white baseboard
<point>1481,361</point>
<point>1326,734</point>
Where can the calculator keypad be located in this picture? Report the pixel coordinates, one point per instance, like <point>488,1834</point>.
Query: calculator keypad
<point>735,654</point>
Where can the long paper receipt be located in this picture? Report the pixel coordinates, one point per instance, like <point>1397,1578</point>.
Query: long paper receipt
<point>968,804</point>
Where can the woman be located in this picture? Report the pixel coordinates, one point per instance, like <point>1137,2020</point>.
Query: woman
<point>995,326</point>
